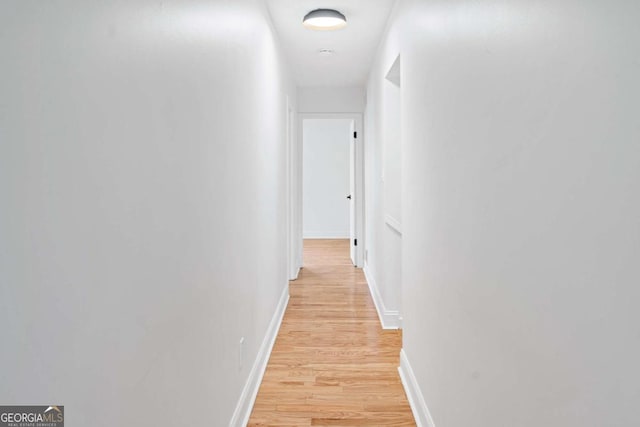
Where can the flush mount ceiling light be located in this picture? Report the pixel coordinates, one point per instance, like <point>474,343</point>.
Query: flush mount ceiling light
<point>324,19</point>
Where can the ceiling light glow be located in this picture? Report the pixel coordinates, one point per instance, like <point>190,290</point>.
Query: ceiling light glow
<point>324,20</point>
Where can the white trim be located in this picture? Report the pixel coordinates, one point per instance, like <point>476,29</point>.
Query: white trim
<point>389,319</point>
<point>393,223</point>
<point>250,391</point>
<point>293,240</point>
<point>359,195</point>
<point>326,235</point>
<point>414,395</point>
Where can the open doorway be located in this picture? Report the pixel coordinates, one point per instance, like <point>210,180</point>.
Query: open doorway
<point>332,196</point>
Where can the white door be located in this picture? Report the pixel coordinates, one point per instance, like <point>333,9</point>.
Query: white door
<point>352,194</point>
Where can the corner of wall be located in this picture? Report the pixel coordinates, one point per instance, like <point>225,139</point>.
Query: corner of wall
<point>414,394</point>
<point>244,407</point>
<point>389,319</point>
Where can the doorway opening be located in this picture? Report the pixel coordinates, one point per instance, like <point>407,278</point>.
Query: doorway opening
<point>332,179</point>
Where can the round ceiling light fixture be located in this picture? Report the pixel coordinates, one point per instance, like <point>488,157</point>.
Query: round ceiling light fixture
<point>324,20</point>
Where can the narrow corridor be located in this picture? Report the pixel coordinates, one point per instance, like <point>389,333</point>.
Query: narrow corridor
<point>332,363</point>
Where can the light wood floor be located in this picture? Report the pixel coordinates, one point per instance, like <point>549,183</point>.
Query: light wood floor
<point>332,363</point>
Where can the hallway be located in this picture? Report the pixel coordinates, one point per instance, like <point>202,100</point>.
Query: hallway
<point>332,364</point>
<point>152,212</point>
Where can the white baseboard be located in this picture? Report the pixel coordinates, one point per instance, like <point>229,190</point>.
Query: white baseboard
<point>414,395</point>
<point>390,319</point>
<point>250,391</point>
<point>294,274</point>
<point>326,235</point>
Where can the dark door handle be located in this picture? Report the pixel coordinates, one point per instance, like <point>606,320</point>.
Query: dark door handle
<point>349,197</point>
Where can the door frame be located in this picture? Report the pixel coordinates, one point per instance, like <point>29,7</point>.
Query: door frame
<point>359,176</point>
<point>294,196</point>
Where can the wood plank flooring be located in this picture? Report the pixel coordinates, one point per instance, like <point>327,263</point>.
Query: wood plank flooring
<point>332,363</point>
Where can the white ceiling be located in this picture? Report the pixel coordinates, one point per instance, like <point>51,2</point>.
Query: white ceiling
<point>354,46</point>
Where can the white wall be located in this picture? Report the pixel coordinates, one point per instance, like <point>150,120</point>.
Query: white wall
<point>331,99</point>
<point>142,183</point>
<point>325,178</point>
<point>383,170</point>
<point>521,240</point>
